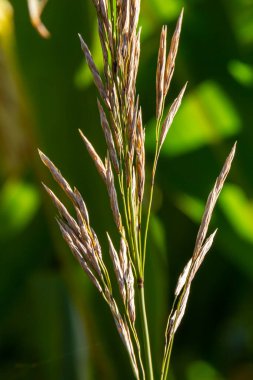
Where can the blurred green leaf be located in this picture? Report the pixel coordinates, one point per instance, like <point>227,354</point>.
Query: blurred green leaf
<point>61,341</point>
<point>166,9</point>
<point>238,210</point>
<point>200,370</point>
<point>19,202</point>
<point>241,72</point>
<point>206,116</point>
<point>190,206</point>
<point>241,14</point>
<point>158,235</point>
<point>156,12</point>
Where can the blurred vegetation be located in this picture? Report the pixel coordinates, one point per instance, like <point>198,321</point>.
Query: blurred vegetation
<point>53,325</point>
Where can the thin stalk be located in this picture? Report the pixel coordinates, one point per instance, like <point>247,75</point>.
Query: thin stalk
<point>139,233</point>
<point>122,190</point>
<point>166,365</point>
<point>145,332</point>
<point>127,218</point>
<point>149,207</point>
<point>133,230</point>
<point>135,335</point>
<point>157,152</point>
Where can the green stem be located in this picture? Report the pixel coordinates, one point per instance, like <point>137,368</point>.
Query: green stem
<point>157,151</point>
<point>165,369</point>
<point>139,233</point>
<point>149,208</point>
<point>137,343</point>
<point>145,332</point>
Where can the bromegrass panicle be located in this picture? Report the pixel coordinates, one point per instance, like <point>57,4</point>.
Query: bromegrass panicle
<point>123,171</point>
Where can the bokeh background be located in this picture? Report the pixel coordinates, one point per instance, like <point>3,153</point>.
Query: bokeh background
<point>53,324</point>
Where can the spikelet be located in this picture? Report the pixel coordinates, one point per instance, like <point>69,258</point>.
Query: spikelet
<point>123,255</point>
<point>170,63</point>
<point>129,279</point>
<point>113,194</point>
<point>117,268</point>
<point>161,61</point>
<point>108,138</point>
<point>97,160</point>
<point>170,117</point>
<point>140,157</point>
<point>57,176</point>
<point>96,77</point>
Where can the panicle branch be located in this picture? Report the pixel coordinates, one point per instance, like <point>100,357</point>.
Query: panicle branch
<point>202,247</point>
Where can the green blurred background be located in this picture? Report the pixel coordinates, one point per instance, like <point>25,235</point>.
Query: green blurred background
<point>53,324</point>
